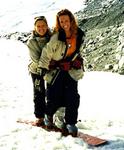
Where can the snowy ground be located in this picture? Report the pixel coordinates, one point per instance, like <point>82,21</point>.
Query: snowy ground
<point>101,110</point>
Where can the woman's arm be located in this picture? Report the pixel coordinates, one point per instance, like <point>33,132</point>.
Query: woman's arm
<point>33,50</point>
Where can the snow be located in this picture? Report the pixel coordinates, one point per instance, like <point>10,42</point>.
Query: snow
<point>18,15</point>
<point>101,110</point>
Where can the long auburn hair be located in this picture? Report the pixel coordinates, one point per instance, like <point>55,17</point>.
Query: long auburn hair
<point>73,22</point>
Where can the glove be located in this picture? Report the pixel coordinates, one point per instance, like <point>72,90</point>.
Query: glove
<point>63,65</point>
<point>66,66</point>
<point>77,63</point>
<point>52,65</point>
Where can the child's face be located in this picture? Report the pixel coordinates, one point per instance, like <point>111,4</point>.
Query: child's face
<point>41,27</point>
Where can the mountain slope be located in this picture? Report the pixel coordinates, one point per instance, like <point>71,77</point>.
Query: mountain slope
<point>103,22</point>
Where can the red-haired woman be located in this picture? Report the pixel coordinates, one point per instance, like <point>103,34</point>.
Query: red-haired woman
<point>62,56</point>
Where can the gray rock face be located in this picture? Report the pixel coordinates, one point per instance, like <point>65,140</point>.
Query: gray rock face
<point>103,22</point>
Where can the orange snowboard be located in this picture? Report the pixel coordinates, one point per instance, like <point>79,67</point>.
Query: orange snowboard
<point>90,140</point>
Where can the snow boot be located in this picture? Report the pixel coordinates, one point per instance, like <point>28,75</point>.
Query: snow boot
<point>48,121</point>
<point>64,130</point>
<point>72,129</point>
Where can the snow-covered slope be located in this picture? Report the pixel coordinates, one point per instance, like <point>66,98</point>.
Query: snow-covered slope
<point>18,15</point>
<point>101,109</point>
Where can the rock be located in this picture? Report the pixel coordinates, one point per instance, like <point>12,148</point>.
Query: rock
<point>20,36</point>
<point>103,23</point>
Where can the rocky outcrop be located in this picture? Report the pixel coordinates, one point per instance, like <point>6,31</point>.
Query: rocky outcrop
<point>20,36</point>
<point>103,22</point>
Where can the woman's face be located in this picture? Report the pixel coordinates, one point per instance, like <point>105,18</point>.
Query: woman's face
<point>65,22</point>
<point>41,27</point>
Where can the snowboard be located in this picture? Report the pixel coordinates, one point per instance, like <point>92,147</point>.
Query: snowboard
<point>89,139</point>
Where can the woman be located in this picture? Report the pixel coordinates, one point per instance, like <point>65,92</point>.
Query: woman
<point>40,36</point>
<point>63,58</point>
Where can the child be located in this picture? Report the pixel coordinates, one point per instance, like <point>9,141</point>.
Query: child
<point>40,36</point>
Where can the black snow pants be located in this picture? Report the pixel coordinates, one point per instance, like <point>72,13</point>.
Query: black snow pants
<point>64,93</point>
<point>39,96</point>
